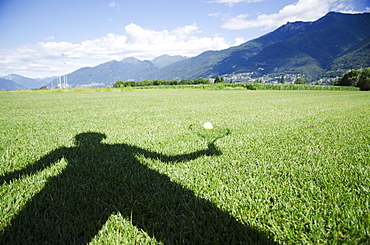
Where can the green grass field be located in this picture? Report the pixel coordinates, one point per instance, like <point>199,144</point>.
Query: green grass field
<point>136,167</point>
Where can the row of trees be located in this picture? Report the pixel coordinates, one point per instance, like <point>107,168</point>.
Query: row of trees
<point>355,78</point>
<point>120,84</point>
<point>156,82</point>
<point>297,81</point>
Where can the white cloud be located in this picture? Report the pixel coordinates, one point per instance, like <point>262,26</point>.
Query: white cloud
<point>51,38</point>
<point>214,14</point>
<point>238,41</point>
<point>52,58</point>
<point>112,4</point>
<point>303,10</point>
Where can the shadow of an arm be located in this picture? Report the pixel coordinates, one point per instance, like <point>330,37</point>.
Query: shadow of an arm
<point>211,150</point>
<point>33,168</point>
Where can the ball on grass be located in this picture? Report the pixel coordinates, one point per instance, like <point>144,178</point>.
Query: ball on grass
<point>207,125</point>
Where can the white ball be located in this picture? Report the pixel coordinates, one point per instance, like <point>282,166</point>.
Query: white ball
<point>207,125</point>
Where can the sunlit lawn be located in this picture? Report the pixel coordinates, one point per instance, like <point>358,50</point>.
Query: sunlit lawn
<point>286,166</point>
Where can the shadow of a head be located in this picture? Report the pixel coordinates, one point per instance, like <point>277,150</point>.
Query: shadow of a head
<point>89,138</point>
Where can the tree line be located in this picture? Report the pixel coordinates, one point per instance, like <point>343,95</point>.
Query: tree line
<point>355,78</point>
<point>120,84</point>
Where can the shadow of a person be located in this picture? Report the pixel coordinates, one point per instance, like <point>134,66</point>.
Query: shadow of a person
<point>102,179</point>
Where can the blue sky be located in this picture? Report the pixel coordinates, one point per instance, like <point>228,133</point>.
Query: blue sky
<point>41,38</point>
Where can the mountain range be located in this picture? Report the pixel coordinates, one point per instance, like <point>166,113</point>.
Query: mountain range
<point>327,47</point>
<point>312,49</point>
<point>15,82</point>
